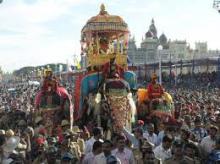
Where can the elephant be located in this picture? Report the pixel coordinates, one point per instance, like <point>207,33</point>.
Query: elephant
<point>159,107</point>
<point>108,100</point>
<point>53,104</point>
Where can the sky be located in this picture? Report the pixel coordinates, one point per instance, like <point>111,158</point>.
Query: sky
<point>37,32</point>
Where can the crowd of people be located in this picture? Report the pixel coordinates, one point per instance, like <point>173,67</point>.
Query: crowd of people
<point>191,136</point>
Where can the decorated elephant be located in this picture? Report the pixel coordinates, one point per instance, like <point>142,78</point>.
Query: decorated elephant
<point>109,100</point>
<point>53,103</point>
<point>160,107</point>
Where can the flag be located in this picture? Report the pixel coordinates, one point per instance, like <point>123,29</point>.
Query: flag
<point>78,65</point>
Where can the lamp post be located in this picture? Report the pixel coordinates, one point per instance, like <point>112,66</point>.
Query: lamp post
<point>170,69</point>
<point>218,70</point>
<point>159,48</point>
<point>32,75</point>
<point>175,74</point>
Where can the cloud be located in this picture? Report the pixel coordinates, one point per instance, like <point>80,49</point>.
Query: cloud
<point>36,32</point>
<point>26,37</point>
<point>39,11</point>
<point>49,51</point>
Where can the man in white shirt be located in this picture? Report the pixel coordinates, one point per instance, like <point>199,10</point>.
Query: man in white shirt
<point>100,159</point>
<point>106,155</point>
<point>134,138</point>
<point>208,143</point>
<point>163,151</point>
<point>150,135</point>
<point>124,154</point>
<point>90,157</point>
<point>164,131</point>
<point>97,135</point>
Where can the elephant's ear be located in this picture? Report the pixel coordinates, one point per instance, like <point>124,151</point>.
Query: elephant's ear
<point>131,78</point>
<point>89,84</point>
<point>84,86</point>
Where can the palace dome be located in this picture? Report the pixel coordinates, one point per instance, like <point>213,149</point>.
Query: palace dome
<point>163,39</point>
<point>149,34</point>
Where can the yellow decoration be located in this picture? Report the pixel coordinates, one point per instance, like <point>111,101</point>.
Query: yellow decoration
<point>118,46</point>
<point>105,21</point>
<point>97,44</point>
<point>167,97</point>
<point>104,58</point>
<point>47,72</point>
<point>143,95</point>
<point>90,49</point>
<point>106,37</point>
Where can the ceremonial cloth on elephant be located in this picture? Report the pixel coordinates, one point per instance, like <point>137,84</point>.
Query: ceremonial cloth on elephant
<point>120,112</point>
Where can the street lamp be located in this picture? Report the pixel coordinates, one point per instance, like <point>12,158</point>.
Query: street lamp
<point>159,48</point>
<point>175,74</point>
<point>218,70</point>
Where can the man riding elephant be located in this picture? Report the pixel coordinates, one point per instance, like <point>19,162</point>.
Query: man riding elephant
<point>116,93</point>
<point>157,98</point>
<point>155,90</point>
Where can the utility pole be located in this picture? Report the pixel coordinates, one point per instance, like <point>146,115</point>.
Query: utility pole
<point>218,70</point>
<point>159,48</point>
<point>170,69</point>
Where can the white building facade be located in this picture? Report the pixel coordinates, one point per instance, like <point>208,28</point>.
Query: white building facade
<point>148,53</point>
